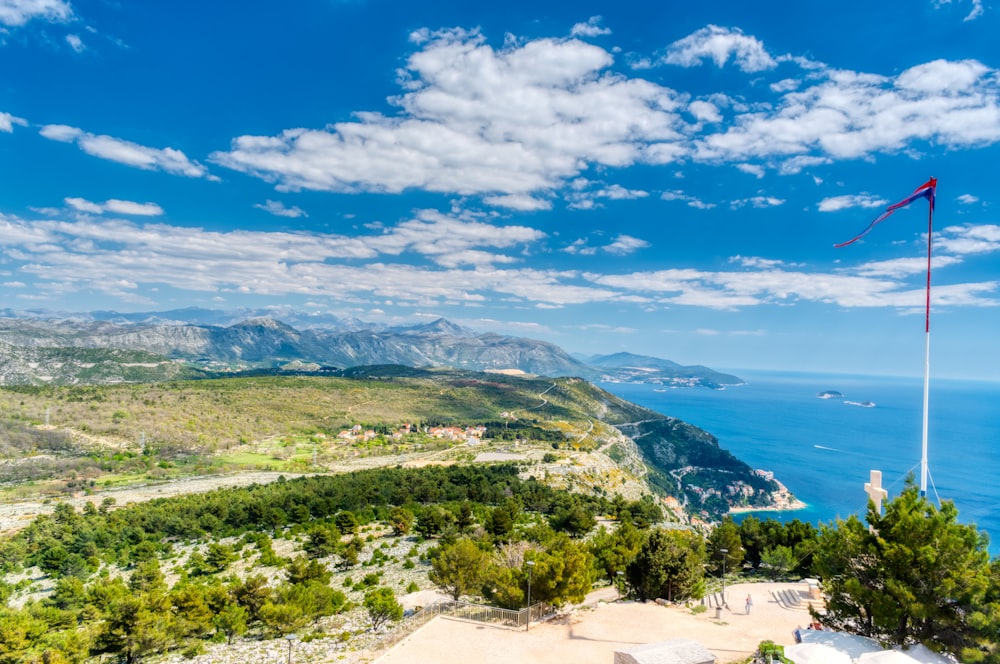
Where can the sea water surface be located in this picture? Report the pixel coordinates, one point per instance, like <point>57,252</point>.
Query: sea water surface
<point>823,449</point>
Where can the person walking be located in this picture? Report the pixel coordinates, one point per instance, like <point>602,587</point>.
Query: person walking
<point>749,604</point>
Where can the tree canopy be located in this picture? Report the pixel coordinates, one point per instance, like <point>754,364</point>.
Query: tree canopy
<point>916,575</point>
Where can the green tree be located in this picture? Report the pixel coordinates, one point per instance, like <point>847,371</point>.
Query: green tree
<point>752,540</point>
<point>68,593</point>
<point>231,621</point>
<point>219,556</point>
<point>725,536</point>
<point>301,569</point>
<point>433,520</point>
<point>505,586</point>
<point>350,553</point>
<point>251,594</point>
<point>459,569</point>
<point>134,627</point>
<point>917,575</point>
<point>562,573</point>
<point>575,520</point>
<point>147,578</point>
<point>669,565</point>
<point>192,615</point>
<point>401,520</point>
<point>346,522</point>
<point>615,550</point>
<point>777,562</point>
<point>464,516</point>
<point>382,606</point>
<point>324,540</point>
<point>18,632</point>
<point>283,617</point>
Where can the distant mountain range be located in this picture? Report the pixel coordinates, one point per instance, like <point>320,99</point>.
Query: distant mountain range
<point>105,347</point>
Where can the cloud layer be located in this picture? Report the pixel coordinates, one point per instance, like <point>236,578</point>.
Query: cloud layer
<point>438,259</point>
<point>519,124</point>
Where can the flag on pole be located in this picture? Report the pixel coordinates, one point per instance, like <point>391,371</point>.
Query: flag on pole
<point>926,190</point>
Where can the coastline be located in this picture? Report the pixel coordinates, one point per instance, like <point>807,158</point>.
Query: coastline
<point>783,501</point>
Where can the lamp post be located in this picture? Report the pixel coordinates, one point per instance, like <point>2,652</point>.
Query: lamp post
<point>620,574</point>
<point>527,623</point>
<point>291,638</point>
<point>724,552</point>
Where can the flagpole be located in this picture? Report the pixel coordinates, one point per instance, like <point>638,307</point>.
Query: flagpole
<point>927,351</point>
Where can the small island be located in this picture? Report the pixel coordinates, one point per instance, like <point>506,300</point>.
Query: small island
<point>830,394</point>
<point>861,404</point>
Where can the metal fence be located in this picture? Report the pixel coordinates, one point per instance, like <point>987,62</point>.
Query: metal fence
<point>481,613</point>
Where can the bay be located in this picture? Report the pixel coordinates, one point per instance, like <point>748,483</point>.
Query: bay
<point>823,449</point>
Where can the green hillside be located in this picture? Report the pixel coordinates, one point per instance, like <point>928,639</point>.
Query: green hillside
<point>101,436</point>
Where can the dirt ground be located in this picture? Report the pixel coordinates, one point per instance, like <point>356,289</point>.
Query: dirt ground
<point>14,516</point>
<point>592,633</point>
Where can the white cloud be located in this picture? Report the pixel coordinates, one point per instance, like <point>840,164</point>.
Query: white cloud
<point>581,248</point>
<point>967,199</point>
<point>14,13</point>
<point>692,201</point>
<point>433,259</point>
<point>757,202</point>
<point>752,169</point>
<point>521,202</point>
<point>976,11</point>
<point>625,244</point>
<point>705,111</point>
<point>943,76</point>
<point>129,207</point>
<point>447,240</point>
<point>969,239</point>
<point>772,286</point>
<point>587,195</point>
<point>592,28</point>
<point>757,262</point>
<point>720,44</point>
<point>116,206</point>
<point>7,122</point>
<point>61,133</point>
<point>835,203</point>
<point>797,164</point>
<point>785,85</point>
<point>516,124</point>
<point>76,43</point>
<point>84,205</point>
<point>849,115</point>
<point>901,267</point>
<point>125,152</point>
<point>278,209</point>
<point>473,120</point>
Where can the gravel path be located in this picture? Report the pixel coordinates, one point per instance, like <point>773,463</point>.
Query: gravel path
<point>14,516</point>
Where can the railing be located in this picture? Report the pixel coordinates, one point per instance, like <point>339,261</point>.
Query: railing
<point>482,613</point>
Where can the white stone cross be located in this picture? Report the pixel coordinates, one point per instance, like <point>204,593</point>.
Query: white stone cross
<point>875,491</point>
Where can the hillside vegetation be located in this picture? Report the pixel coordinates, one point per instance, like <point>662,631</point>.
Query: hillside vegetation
<point>128,433</point>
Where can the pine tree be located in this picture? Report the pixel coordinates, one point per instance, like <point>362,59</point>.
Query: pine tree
<point>670,565</point>
<point>916,575</point>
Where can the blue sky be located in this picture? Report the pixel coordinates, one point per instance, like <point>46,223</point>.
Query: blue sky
<point>667,180</point>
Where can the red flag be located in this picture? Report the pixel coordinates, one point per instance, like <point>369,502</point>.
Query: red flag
<point>926,190</point>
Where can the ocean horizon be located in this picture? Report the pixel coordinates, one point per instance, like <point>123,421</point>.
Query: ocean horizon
<point>824,449</point>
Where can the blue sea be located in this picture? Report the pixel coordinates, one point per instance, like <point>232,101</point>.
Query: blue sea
<point>823,449</point>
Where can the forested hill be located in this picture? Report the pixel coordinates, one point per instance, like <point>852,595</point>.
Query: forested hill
<point>373,416</point>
